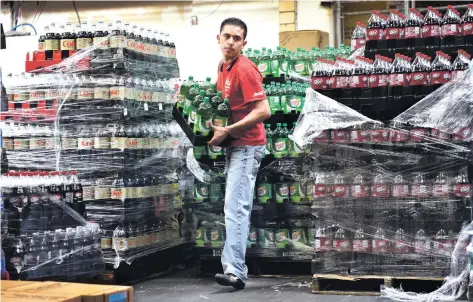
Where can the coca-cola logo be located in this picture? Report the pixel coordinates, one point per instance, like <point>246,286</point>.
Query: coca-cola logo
<point>467,27</point>
<point>70,44</point>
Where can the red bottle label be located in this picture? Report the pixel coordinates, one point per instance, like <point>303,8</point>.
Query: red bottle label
<point>320,190</point>
<point>360,245</point>
<point>467,29</point>
<point>342,245</point>
<point>441,190</point>
<point>340,136</point>
<point>462,134</point>
<point>397,79</point>
<point>419,134</point>
<point>359,81</point>
<point>323,137</point>
<point>439,77</point>
<point>450,30</point>
<point>437,134</point>
<point>380,246</point>
<point>412,32</point>
<point>374,34</point>
<point>457,74</point>
<point>444,246</point>
<point>399,136</point>
<point>340,191</point>
<point>401,190</point>
<point>357,43</point>
<point>323,245</point>
<point>379,135</point>
<point>394,33</point>
<point>419,78</point>
<point>419,190</point>
<point>360,136</point>
<point>320,83</point>
<point>400,247</point>
<point>380,190</point>
<point>430,31</point>
<point>359,191</point>
<point>422,247</point>
<point>339,82</point>
<point>378,80</point>
<point>462,190</point>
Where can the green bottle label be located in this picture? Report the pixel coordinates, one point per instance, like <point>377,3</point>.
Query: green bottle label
<point>264,193</point>
<point>269,145</point>
<point>215,151</point>
<point>263,67</point>
<point>220,121</point>
<point>269,237</point>
<point>284,103</point>
<point>200,237</point>
<point>299,67</point>
<point>192,116</point>
<point>275,66</point>
<point>199,151</point>
<point>203,124</point>
<point>290,148</point>
<point>216,237</point>
<point>298,236</point>
<point>282,192</point>
<point>252,237</point>
<point>282,238</point>
<point>201,192</point>
<point>284,65</point>
<point>294,192</point>
<point>274,104</point>
<point>216,193</point>
<point>262,240</point>
<point>280,146</point>
<point>187,106</point>
<point>294,104</point>
<point>307,190</point>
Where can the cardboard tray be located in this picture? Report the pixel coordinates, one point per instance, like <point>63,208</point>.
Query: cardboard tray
<point>196,140</point>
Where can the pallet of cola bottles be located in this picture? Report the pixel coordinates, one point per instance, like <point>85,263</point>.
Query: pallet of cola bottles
<point>391,200</point>
<point>47,235</point>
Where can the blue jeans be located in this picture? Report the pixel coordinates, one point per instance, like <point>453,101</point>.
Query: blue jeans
<point>242,166</point>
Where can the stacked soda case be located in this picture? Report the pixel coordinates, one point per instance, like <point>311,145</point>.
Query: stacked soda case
<point>47,236</point>
<point>389,199</point>
<point>383,88</point>
<point>113,126</point>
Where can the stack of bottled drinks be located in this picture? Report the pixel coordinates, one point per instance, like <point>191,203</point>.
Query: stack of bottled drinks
<point>114,127</point>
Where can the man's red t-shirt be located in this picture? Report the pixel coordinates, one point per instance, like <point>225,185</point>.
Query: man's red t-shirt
<point>243,85</point>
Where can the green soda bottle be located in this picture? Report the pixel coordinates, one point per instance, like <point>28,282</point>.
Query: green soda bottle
<point>299,64</point>
<point>264,190</point>
<point>191,94</point>
<point>256,57</point>
<point>275,62</point>
<point>293,103</point>
<point>200,151</point>
<point>296,151</point>
<point>200,237</point>
<point>222,114</point>
<point>216,193</point>
<point>263,61</point>
<point>277,95</point>
<point>193,108</point>
<point>281,189</point>
<point>269,144</point>
<point>205,85</point>
<point>269,59</point>
<point>279,141</point>
<point>214,152</point>
<point>283,62</point>
<point>204,118</point>
<point>201,192</point>
<point>269,94</point>
<point>211,92</point>
<point>249,55</point>
<point>183,91</point>
<point>294,191</point>
<point>283,96</point>
<point>216,100</point>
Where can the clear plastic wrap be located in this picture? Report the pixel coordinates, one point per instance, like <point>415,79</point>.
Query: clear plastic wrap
<point>395,199</point>
<point>109,118</point>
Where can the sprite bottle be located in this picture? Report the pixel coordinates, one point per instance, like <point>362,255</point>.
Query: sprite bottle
<point>264,63</point>
<point>275,62</point>
<point>204,118</point>
<point>211,92</point>
<point>222,114</point>
<point>269,144</point>
<point>216,100</point>
<point>191,94</point>
<point>193,108</point>
<point>264,190</point>
<point>183,91</point>
<point>283,62</point>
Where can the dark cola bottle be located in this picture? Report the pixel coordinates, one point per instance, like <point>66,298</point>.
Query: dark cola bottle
<point>374,32</point>
<point>451,27</point>
<point>431,29</point>
<point>117,39</point>
<point>84,37</point>
<point>358,38</point>
<point>68,41</point>
<point>101,43</point>
<point>394,29</point>
<point>398,76</point>
<point>413,28</point>
<point>440,73</point>
<point>51,41</point>
<point>460,65</point>
<point>467,26</point>
<point>359,77</point>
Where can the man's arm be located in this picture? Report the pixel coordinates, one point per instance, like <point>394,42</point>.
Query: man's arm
<point>260,112</point>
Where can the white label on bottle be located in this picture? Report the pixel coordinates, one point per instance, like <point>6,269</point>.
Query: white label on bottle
<point>85,93</point>
<point>146,106</point>
<point>69,143</point>
<point>101,93</point>
<point>117,142</point>
<point>85,143</point>
<point>102,193</point>
<point>160,105</point>
<point>117,93</point>
<point>21,144</point>
<point>102,142</point>
<point>36,143</point>
<point>118,193</point>
<point>88,193</point>
<point>131,142</point>
<point>49,143</point>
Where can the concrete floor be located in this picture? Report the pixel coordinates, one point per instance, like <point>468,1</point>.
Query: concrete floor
<point>185,286</point>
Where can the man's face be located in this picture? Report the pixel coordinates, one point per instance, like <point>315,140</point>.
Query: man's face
<point>231,41</point>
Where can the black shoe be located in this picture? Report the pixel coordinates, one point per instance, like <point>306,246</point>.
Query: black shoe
<point>229,280</point>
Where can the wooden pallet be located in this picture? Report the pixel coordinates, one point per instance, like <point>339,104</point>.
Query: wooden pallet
<point>367,285</point>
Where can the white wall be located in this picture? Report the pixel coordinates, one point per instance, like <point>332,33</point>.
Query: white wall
<point>197,49</point>
<point>312,16</point>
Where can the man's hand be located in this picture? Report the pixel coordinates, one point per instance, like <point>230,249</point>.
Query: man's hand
<point>220,133</point>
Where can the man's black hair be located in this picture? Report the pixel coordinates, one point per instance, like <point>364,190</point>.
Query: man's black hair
<point>235,22</point>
